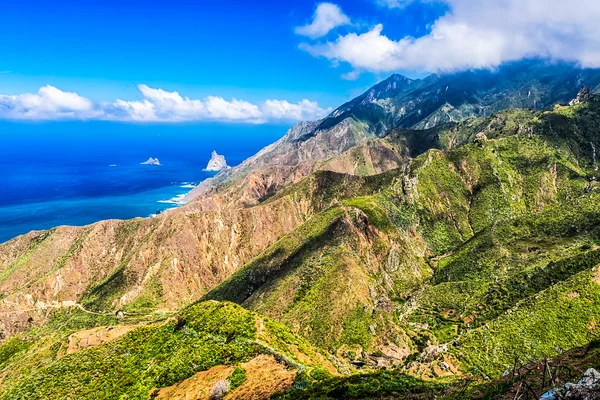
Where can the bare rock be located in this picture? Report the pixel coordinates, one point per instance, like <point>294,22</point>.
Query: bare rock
<point>584,94</point>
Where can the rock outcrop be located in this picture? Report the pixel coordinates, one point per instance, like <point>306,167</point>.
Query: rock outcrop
<point>151,161</point>
<point>587,388</point>
<point>217,162</point>
<point>583,95</point>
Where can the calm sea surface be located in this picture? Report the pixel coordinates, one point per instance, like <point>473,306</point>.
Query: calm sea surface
<point>76,173</point>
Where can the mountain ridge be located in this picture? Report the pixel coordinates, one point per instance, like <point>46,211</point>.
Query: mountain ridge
<point>530,83</point>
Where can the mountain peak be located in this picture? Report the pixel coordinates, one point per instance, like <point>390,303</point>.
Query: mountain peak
<point>393,82</point>
<point>387,88</point>
<point>397,78</point>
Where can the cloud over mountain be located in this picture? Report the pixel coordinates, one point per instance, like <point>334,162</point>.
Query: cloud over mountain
<point>327,16</point>
<point>157,105</point>
<point>481,34</point>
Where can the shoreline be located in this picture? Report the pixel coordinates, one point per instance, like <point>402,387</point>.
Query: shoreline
<point>20,219</point>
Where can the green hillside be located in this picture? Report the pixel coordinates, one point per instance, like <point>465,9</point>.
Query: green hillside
<point>479,254</point>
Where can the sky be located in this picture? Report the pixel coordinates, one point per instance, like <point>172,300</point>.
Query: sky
<point>259,62</point>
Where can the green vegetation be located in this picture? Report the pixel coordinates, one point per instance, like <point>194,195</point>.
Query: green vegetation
<point>374,211</point>
<point>12,349</point>
<point>376,385</point>
<point>268,264</point>
<point>237,377</point>
<point>151,356</point>
<point>472,247</point>
<point>560,317</point>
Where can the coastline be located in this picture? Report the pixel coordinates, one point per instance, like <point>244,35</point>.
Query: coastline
<point>19,219</point>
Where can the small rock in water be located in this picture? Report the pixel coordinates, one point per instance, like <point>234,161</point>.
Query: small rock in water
<point>151,161</point>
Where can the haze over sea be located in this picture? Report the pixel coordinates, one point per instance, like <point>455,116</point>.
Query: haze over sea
<point>60,173</point>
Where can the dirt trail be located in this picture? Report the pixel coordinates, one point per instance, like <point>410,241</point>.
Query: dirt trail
<point>43,306</point>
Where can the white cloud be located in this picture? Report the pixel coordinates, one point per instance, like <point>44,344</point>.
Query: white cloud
<point>302,111</point>
<point>157,105</point>
<point>219,108</point>
<point>327,16</point>
<point>477,34</point>
<point>141,111</point>
<point>352,75</point>
<point>160,105</point>
<point>48,102</point>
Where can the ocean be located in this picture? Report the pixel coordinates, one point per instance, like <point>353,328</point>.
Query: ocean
<point>77,173</point>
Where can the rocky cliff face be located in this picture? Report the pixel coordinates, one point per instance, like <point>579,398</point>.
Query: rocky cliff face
<point>216,163</point>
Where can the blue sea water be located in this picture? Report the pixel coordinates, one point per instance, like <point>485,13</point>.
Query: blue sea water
<point>77,173</point>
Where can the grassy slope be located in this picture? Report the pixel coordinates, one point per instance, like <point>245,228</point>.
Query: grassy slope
<point>151,356</point>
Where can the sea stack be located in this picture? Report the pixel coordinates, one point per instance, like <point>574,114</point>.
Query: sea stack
<point>151,161</point>
<point>217,162</point>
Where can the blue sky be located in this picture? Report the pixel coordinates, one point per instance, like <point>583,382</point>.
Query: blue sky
<point>239,48</point>
<point>254,52</point>
<point>248,50</point>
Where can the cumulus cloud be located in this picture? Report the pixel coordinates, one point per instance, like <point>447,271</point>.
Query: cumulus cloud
<point>301,111</point>
<point>160,105</point>
<point>327,16</point>
<point>157,105</point>
<point>481,34</point>
<point>48,102</point>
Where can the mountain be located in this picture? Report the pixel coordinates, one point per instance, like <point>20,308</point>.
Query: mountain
<point>366,259</point>
<point>394,105</point>
<point>399,102</point>
<point>461,248</point>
